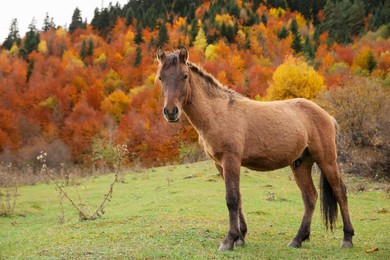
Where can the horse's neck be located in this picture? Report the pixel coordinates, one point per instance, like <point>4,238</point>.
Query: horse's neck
<point>200,107</point>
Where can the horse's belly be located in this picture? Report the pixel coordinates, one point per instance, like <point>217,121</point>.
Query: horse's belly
<point>265,164</point>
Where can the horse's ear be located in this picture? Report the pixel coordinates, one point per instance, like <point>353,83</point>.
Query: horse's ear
<point>160,54</point>
<point>183,54</point>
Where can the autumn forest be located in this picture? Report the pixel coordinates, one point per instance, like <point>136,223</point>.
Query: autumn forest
<point>79,93</point>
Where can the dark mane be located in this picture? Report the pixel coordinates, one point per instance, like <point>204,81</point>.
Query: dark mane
<point>213,81</point>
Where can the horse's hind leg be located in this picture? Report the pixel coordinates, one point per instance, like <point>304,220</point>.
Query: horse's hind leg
<point>333,184</point>
<point>302,175</point>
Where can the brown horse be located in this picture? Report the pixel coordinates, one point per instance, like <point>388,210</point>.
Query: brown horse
<point>263,136</point>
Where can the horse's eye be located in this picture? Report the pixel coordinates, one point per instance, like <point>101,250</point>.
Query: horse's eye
<point>185,76</point>
<point>159,77</point>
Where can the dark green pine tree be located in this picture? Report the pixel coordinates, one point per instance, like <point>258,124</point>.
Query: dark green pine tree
<point>308,48</point>
<point>327,11</point>
<point>230,33</point>
<point>138,57</point>
<point>138,39</point>
<point>355,18</point>
<point>48,23</point>
<point>91,47</point>
<point>163,37</point>
<point>282,33</point>
<point>152,43</point>
<point>32,40</point>
<point>129,17</point>
<point>84,50</point>
<point>30,69</point>
<point>371,62</point>
<point>381,16</point>
<point>264,19</point>
<point>194,31</point>
<point>316,36</point>
<point>77,21</point>
<point>95,19</point>
<point>296,44</point>
<point>294,26</point>
<point>247,43</point>
<point>335,21</point>
<point>315,8</point>
<point>13,35</point>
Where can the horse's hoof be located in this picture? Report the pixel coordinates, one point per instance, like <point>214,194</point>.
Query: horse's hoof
<point>346,244</point>
<point>239,242</point>
<point>294,244</point>
<point>225,247</point>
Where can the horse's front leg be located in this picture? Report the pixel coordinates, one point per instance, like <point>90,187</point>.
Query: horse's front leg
<point>242,221</point>
<point>231,173</point>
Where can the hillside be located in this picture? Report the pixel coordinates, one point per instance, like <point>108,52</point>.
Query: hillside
<point>162,213</point>
<point>73,92</point>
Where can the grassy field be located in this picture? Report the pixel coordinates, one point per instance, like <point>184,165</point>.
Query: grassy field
<point>179,212</point>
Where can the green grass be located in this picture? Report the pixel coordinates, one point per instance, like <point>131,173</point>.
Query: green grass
<point>158,213</point>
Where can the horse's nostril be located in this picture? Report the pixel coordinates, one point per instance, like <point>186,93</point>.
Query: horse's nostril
<point>175,110</point>
<point>165,111</point>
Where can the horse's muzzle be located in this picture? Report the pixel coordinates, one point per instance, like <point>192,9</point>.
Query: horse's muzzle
<point>172,115</point>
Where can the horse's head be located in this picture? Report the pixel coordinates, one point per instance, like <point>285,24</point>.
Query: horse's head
<point>173,74</point>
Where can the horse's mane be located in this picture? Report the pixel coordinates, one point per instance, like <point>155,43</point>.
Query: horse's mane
<point>212,80</point>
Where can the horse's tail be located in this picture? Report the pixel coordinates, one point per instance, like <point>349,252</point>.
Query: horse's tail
<point>328,203</point>
<point>328,198</point>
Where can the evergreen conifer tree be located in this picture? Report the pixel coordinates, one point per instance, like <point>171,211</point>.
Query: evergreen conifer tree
<point>48,23</point>
<point>13,36</point>
<point>194,31</point>
<point>282,33</point>
<point>129,17</point>
<point>296,44</point>
<point>83,50</point>
<point>163,37</point>
<point>138,39</point>
<point>138,57</point>
<point>308,49</point>
<point>77,21</point>
<point>355,17</point>
<point>371,62</point>
<point>264,19</point>
<point>32,39</point>
<point>91,47</point>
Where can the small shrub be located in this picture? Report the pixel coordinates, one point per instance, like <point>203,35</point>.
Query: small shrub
<point>359,107</point>
<point>83,214</point>
<point>8,190</point>
<point>190,153</point>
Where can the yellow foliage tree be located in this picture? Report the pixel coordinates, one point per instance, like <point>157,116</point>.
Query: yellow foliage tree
<point>42,46</point>
<point>362,59</point>
<point>210,53</point>
<point>14,49</point>
<point>294,78</point>
<point>200,41</point>
<point>115,104</point>
<point>226,19</point>
<point>276,12</point>
<point>112,81</point>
